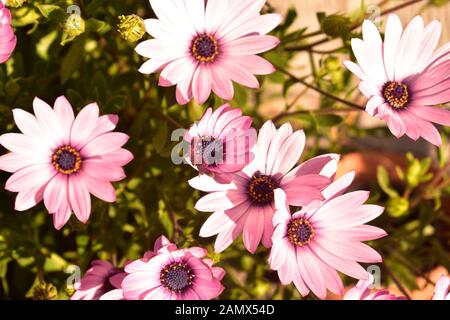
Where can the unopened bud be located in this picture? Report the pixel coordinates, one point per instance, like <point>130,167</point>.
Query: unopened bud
<point>73,27</point>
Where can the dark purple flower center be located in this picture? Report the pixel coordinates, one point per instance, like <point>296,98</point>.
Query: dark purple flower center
<point>205,48</point>
<point>260,189</point>
<point>177,276</point>
<point>396,94</point>
<point>300,232</point>
<point>66,160</point>
<point>207,150</point>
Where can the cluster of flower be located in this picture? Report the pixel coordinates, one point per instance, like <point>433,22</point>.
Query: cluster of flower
<point>251,181</point>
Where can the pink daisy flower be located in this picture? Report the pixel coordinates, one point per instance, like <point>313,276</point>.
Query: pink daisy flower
<point>246,205</point>
<point>403,77</point>
<point>220,143</point>
<point>8,39</point>
<point>441,290</point>
<point>311,244</point>
<point>173,274</point>
<point>116,280</point>
<point>101,278</point>
<point>202,46</point>
<point>362,291</point>
<point>62,159</point>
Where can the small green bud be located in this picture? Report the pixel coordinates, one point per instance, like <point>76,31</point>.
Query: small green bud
<point>397,207</point>
<point>73,27</point>
<point>336,26</point>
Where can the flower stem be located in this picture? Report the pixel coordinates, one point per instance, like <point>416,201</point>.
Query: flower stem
<point>355,26</point>
<point>397,282</point>
<point>318,111</point>
<point>323,92</point>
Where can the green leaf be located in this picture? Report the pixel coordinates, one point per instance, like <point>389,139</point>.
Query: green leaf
<point>384,182</point>
<point>400,173</point>
<point>397,207</point>
<point>25,16</point>
<point>161,137</point>
<point>164,219</point>
<point>72,60</point>
<point>321,16</point>
<point>94,5</point>
<point>290,18</point>
<point>294,35</point>
<point>50,11</point>
<point>95,25</point>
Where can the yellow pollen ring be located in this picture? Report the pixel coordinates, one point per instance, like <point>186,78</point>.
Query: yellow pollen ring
<point>195,49</point>
<point>293,234</point>
<point>174,267</point>
<point>392,98</point>
<point>57,155</point>
<point>266,195</point>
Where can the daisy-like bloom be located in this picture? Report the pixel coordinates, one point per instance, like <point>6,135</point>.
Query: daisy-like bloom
<point>116,293</point>
<point>220,143</point>
<point>101,278</point>
<point>173,274</point>
<point>311,244</point>
<point>8,39</point>
<point>246,205</point>
<point>442,289</point>
<point>362,291</point>
<point>201,46</point>
<point>62,159</point>
<point>403,77</point>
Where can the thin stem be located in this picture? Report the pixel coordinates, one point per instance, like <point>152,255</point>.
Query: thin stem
<point>297,97</point>
<point>323,92</point>
<point>397,282</point>
<point>170,121</point>
<point>438,183</point>
<point>410,266</point>
<point>355,26</point>
<point>316,51</point>
<point>304,36</point>
<point>318,111</point>
<point>312,34</point>
<point>400,6</point>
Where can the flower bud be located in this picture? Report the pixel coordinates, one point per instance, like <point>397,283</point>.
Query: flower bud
<point>73,27</point>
